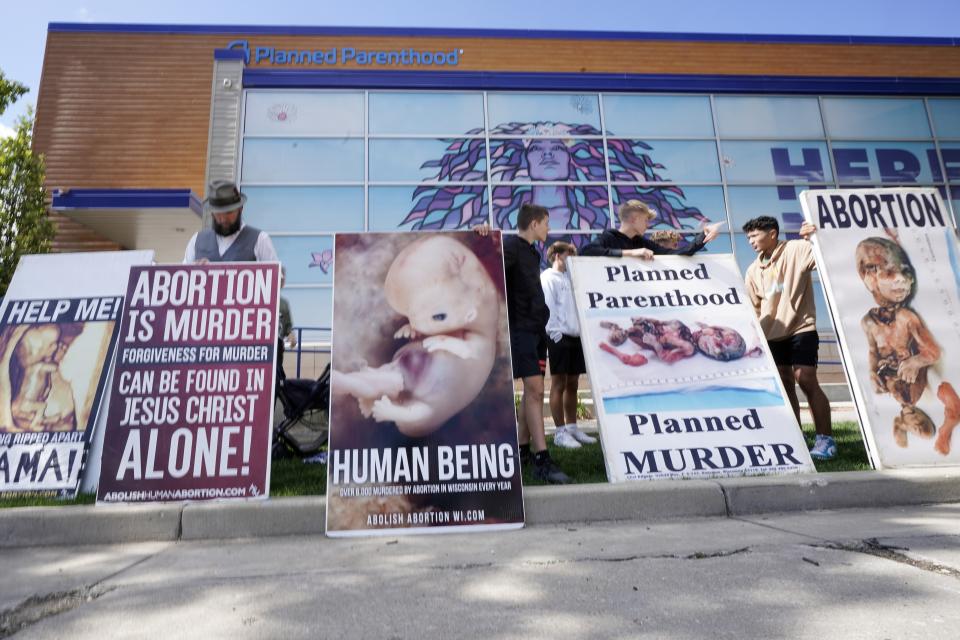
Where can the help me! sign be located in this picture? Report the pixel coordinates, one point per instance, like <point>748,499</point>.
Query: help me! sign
<point>191,409</point>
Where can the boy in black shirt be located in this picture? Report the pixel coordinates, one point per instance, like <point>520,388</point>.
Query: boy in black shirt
<point>628,241</point>
<point>528,314</point>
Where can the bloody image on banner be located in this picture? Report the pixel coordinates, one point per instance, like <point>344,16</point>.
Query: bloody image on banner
<point>890,264</point>
<point>683,381</point>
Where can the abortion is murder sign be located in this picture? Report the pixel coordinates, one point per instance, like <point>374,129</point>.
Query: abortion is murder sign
<point>191,408</point>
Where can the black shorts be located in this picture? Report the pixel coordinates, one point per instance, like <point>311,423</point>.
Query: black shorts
<point>529,353</point>
<point>798,350</point>
<point>566,356</point>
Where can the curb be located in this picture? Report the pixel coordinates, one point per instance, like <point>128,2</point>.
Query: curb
<point>658,500</point>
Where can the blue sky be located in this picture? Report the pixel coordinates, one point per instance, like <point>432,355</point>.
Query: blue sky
<point>23,23</point>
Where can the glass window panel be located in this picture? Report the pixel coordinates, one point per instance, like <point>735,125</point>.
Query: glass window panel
<point>776,161</point>
<point>876,118</point>
<point>582,208</point>
<point>677,207</point>
<point>745,253</point>
<point>660,116</point>
<point>782,203</point>
<point>519,113</point>
<point>398,160</point>
<point>663,160</point>
<point>426,113</point>
<point>547,159</point>
<point>303,113</point>
<point>307,259</point>
<point>310,307</point>
<point>886,162</point>
<point>415,208</point>
<point>824,323</point>
<point>951,161</point>
<point>773,117</point>
<point>285,160</point>
<point>946,117</point>
<point>309,209</point>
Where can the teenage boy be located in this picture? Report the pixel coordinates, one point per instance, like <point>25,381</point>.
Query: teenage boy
<point>564,348</point>
<point>628,241</point>
<point>781,289</point>
<point>528,314</point>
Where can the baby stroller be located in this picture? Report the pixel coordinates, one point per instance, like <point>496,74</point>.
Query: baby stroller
<point>306,419</point>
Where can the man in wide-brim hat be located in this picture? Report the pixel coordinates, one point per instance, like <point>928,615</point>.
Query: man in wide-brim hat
<point>229,240</point>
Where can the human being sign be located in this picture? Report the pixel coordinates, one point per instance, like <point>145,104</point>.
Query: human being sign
<point>422,423</point>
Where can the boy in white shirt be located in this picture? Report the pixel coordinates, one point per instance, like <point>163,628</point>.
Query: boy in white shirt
<point>564,348</point>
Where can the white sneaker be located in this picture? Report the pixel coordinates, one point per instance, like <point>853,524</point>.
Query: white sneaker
<point>564,440</point>
<point>579,435</point>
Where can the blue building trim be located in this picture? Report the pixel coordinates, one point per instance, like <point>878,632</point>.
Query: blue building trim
<point>84,27</point>
<point>127,199</point>
<point>228,54</point>
<point>481,80</point>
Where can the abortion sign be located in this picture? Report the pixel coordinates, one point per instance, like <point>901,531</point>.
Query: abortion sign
<point>890,264</point>
<point>423,434</point>
<point>683,381</point>
<point>58,327</point>
<point>191,409</point>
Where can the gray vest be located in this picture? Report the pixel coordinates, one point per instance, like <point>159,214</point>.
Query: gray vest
<point>242,249</point>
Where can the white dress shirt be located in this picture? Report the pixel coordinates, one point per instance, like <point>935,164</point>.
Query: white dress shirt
<point>558,291</point>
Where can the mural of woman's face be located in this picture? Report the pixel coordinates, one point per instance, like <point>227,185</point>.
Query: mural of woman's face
<point>548,160</point>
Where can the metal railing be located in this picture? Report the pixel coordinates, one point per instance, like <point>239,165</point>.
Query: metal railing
<point>320,345</point>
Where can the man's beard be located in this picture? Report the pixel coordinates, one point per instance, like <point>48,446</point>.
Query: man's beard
<point>226,230</point>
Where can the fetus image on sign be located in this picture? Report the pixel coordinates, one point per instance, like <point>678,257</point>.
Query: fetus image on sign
<point>41,399</point>
<point>672,341</point>
<point>447,309</point>
<point>902,349</point>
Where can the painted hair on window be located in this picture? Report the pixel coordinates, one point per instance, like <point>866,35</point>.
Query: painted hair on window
<point>544,152</point>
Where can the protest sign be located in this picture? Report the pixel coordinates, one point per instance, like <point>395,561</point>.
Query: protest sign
<point>58,326</point>
<point>422,423</point>
<point>683,382</point>
<point>191,409</point>
<point>888,259</point>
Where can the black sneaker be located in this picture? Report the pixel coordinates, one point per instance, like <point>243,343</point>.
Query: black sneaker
<point>548,471</point>
<point>526,457</point>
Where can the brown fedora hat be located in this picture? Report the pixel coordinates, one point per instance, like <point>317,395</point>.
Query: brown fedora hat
<point>223,196</point>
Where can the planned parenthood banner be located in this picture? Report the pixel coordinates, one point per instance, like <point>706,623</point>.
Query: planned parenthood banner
<point>58,326</point>
<point>191,411</point>
<point>888,259</point>
<point>683,381</point>
<point>422,424</point>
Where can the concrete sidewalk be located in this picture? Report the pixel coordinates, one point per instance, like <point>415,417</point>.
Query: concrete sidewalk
<point>646,501</point>
<point>823,575</point>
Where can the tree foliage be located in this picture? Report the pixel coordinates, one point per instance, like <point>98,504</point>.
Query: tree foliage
<point>10,90</point>
<point>25,226</point>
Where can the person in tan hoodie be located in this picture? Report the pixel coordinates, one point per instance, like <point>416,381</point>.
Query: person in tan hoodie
<point>781,290</point>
